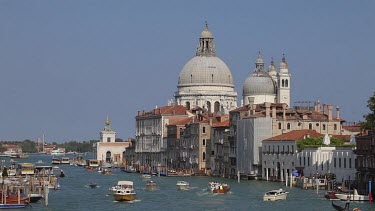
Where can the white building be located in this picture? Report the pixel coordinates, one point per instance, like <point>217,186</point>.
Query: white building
<point>206,81</point>
<point>107,149</point>
<point>280,157</point>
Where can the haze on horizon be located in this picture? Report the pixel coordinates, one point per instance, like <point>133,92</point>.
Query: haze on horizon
<point>67,65</point>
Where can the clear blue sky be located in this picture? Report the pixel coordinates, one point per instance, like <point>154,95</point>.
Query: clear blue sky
<point>66,65</point>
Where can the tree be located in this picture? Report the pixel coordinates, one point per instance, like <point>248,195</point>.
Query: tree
<point>369,124</point>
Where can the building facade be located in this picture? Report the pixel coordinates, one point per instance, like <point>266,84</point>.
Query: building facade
<point>365,161</point>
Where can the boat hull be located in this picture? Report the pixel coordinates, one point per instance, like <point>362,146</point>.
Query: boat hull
<point>331,195</point>
<point>221,191</point>
<point>275,198</point>
<point>182,187</point>
<point>352,197</point>
<point>124,197</point>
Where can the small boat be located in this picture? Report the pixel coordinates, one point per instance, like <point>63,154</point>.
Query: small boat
<point>275,195</point>
<point>182,185</point>
<point>151,186</point>
<point>106,165</point>
<point>93,185</point>
<point>352,197</point>
<point>35,197</point>
<point>146,176</point>
<point>106,171</point>
<point>39,161</point>
<point>65,160</point>
<point>331,195</point>
<point>125,192</point>
<point>216,187</point>
<point>12,206</point>
<point>130,169</point>
<point>56,161</point>
<point>62,174</point>
<point>23,156</point>
<point>340,208</point>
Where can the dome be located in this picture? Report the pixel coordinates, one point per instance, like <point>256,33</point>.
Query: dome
<point>259,83</point>
<point>206,34</point>
<point>272,69</point>
<point>205,70</point>
<point>283,65</point>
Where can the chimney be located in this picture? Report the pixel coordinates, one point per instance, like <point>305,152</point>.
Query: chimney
<point>274,111</point>
<point>338,112</point>
<point>210,121</point>
<point>330,108</point>
<point>324,108</point>
<point>267,109</point>
<point>318,106</point>
<point>284,108</point>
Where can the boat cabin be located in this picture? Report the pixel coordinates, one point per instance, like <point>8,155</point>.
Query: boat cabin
<point>92,163</point>
<point>25,169</point>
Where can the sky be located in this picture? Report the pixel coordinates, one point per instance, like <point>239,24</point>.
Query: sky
<point>67,65</point>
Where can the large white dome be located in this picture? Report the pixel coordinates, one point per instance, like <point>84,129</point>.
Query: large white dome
<point>205,70</point>
<point>259,83</point>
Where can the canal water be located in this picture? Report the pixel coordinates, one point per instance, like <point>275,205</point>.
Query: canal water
<point>75,194</point>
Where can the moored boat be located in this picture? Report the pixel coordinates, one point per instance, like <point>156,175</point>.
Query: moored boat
<point>275,195</point>
<point>35,197</point>
<point>146,176</point>
<point>125,192</point>
<point>352,197</point>
<point>56,161</point>
<point>182,185</point>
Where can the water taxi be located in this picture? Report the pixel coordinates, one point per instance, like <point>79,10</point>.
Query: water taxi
<point>352,197</point>
<point>182,185</point>
<point>275,195</point>
<point>65,160</point>
<point>125,191</point>
<point>216,187</point>
<point>56,161</point>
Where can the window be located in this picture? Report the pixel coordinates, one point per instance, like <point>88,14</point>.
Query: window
<point>288,149</point>
<point>278,149</point>
<point>324,126</point>
<point>288,126</point>
<point>310,126</point>
<point>350,163</point>
<point>322,165</point>
<point>335,126</point>
<point>108,139</point>
<point>308,161</point>
<point>204,156</point>
<point>204,142</point>
<point>282,83</point>
<point>292,149</point>
<point>280,125</point>
<point>286,83</point>
<point>334,162</point>
<point>304,161</point>
<point>283,149</point>
<point>293,164</point>
<point>300,161</point>
<point>339,162</point>
<point>204,130</point>
<point>269,149</point>
<point>344,162</point>
<point>212,152</point>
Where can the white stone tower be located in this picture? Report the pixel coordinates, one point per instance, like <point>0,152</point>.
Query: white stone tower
<point>283,88</point>
<point>107,135</point>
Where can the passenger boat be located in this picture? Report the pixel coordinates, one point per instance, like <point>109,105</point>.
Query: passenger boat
<point>65,160</point>
<point>151,186</point>
<point>93,185</point>
<point>182,185</point>
<point>216,187</point>
<point>352,197</point>
<point>275,195</point>
<point>130,169</point>
<point>13,198</point>
<point>125,192</point>
<point>56,161</point>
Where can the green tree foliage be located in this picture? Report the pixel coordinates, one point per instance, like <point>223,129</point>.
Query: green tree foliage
<point>369,123</point>
<point>28,146</point>
<point>317,142</point>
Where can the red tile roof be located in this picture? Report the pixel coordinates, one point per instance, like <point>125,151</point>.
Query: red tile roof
<point>182,121</point>
<point>353,128</point>
<point>222,124</point>
<point>166,110</point>
<point>295,135</point>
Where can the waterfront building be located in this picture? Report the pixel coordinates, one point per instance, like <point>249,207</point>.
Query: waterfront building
<point>151,134</point>
<point>365,161</point>
<point>107,149</point>
<point>130,157</point>
<point>219,160</point>
<point>206,81</point>
<point>280,156</point>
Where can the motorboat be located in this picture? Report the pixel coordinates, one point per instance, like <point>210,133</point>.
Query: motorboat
<point>93,185</point>
<point>182,185</point>
<point>352,197</point>
<point>151,186</point>
<point>65,160</point>
<point>146,176</point>
<point>125,191</point>
<point>56,161</point>
<point>216,187</point>
<point>275,195</point>
<point>106,165</point>
<point>331,195</point>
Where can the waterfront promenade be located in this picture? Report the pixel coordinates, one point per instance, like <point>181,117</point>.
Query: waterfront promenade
<point>246,195</point>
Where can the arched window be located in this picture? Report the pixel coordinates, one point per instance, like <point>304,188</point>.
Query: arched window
<point>282,83</point>
<point>286,83</point>
<point>217,107</point>
<point>108,157</point>
<point>324,126</point>
<point>209,106</point>
<point>310,126</point>
<point>280,125</point>
<point>204,156</point>
<point>204,142</point>
<point>288,126</point>
<point>187,105</point>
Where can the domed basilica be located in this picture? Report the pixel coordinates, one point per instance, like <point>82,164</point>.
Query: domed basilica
<point>207,82</point>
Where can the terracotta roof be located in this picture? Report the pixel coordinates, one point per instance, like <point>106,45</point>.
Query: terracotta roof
<point>182,121</point>
<point>175,110</point>
<point>222,124</point>
<point>353,128</point>
<point>295,135</point>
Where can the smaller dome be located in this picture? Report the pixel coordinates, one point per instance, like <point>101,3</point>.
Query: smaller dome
<point>206,34</point>
<point>259,59</point>
<point>283,65</point>
<point>259,83</point>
